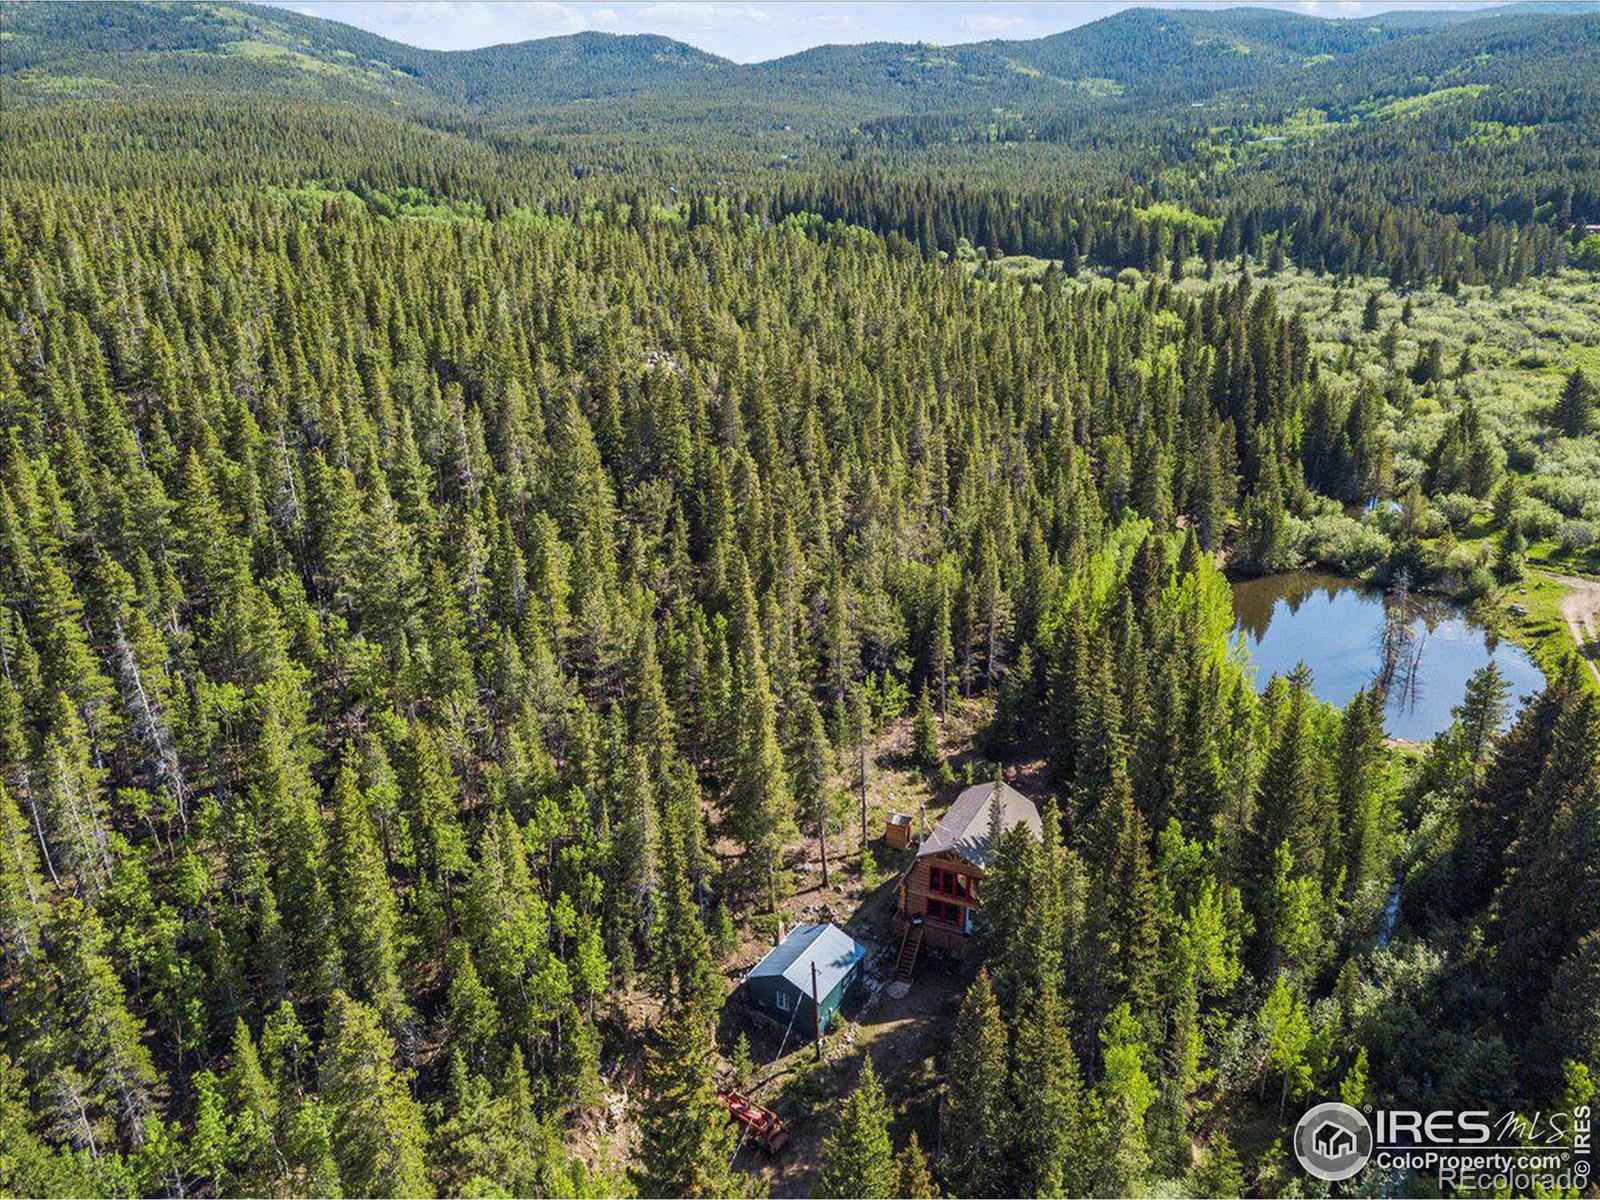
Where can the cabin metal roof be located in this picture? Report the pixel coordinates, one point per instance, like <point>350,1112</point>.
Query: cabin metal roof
<point>832,949</point>
<point>965,828</point>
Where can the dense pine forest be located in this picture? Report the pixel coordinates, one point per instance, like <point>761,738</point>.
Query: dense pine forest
<point>484,544</point>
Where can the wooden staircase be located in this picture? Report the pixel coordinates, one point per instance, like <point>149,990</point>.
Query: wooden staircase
<point>910,947</point>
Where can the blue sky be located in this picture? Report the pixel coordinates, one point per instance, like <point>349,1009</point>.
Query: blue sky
<point>752,30</point>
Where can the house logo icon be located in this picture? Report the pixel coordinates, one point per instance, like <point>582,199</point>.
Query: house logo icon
<point>1333,1141</point>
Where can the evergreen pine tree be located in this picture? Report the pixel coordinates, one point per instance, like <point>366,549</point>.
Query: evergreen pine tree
<point>1360,780</point>
<point>974,1114</point>
<point>1286,805</point>
<point>759,802</point>
<point>1575,409</point>
<point>683,971</point>
<point>22,894</point>
<point>1511,558</point>
<point>858,1157</point>
<point>473,1020</point>
<point>939,640</point>
<point>1217,1175</point>
<point>1125,1096</point>
<point>925,735</point>
<point>378,1135</point>
<point>31,1165</point>
<point>1049,1152</point>
<point>812,775</point>
<point>1480,715</point>
<point>1122,906</point>
<point>1557,839</point>
<point>252,1105</point>
<point>686,1139</point>
<point>913,1180</point>
<point>363,901</point>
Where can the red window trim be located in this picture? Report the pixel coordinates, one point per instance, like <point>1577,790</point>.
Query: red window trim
<point>946,913</point>
<point>943,881</point>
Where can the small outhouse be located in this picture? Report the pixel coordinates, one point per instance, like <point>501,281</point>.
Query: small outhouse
<point>897,831</point>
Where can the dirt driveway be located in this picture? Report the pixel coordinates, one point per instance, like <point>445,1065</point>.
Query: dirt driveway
<point>905,1038</point>
<point>1580,607</point>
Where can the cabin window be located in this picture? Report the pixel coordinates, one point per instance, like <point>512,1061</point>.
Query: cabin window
<point>781,999</point>
<point>949,883</point>
<point>943,910</point>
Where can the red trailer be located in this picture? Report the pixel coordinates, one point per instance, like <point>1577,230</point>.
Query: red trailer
<point>762,1123</point>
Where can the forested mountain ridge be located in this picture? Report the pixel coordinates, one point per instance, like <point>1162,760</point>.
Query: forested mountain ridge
<point>140,47</point>
<point>469,581</point>
<point>1368,147</point>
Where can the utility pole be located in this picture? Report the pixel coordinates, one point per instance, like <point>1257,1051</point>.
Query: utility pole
<point>816,1011</point>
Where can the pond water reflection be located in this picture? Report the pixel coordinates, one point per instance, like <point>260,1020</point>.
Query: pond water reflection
<point>1336,628</point>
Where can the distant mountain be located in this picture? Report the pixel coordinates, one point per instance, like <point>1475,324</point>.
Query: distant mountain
<point>1504,52</point>
<point>66,50</point>
<point>1187,53</point>
<point>56,51</point>
<point>580,66</point>
<point>1433,18</point>
<point>152,48</point>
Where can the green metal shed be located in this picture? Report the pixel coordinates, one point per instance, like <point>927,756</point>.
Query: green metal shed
<point>779,986</point>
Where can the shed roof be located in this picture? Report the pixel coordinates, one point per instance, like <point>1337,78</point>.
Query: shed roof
<point>831,948</point>
<point>965,828</point>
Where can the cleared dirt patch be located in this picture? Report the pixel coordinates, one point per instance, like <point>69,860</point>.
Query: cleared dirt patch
<point>1580,608</point>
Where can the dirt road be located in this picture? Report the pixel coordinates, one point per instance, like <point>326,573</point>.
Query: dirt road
<point>1580,606</point>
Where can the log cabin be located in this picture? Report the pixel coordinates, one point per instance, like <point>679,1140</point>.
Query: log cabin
<point>941,891</point>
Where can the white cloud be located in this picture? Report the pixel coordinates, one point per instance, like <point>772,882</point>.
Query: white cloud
<point>456,24</point>
<point>1334,8</point>
<point>604,17</point>
<point>701,18</point>
<point>989,24</point>
<point>835,22</point>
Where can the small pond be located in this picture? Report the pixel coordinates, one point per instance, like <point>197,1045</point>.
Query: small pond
<point>1337,628</point>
